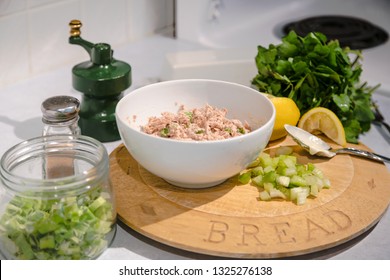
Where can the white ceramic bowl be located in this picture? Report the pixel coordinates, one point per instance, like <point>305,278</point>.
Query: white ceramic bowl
<point>194,164</point>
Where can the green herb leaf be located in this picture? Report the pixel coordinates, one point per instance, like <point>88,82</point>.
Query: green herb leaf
<point>342,101</point>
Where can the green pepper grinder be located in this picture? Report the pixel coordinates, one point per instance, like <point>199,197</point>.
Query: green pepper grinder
<point>102,80</point>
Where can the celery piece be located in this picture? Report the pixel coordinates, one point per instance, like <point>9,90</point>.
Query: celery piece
<point>66,248</point>
<point>314,190</point>
<point>283,181</point>
<point>275,162</point>
<point>265,159</point>
<point>287,171</point>
<point>258,170</point>
<point>244,178</point>
<point>285,191</point>
<point>258,180</point>
<point>310,167</point>
<point>287,161</point>
<point>36,216</point>
<point>326,182</point>
<point>97,203</point>
<point>301,169</point>
<point>317,172</point>
<point>47,242</point>
<point>13,209</point>
<point>268,186</point>
<point>264,195</point>
<point>104,212</point>
<point>268,169</point>
<point>298,181</point>
<point>294,193</point>
<point>313,180</point>
<point>301,198</point>
<point>269,177</point>
<point>26,252</point>
<point>8,245</point>
<point>47,225</point>
<point>277,193</point>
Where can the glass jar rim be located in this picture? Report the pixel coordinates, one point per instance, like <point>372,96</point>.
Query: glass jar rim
<point>76,183</point>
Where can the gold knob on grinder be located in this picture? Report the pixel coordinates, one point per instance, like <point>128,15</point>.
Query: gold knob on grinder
<point>75,26</point>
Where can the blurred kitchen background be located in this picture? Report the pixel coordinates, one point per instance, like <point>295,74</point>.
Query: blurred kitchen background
<point>34,33</point>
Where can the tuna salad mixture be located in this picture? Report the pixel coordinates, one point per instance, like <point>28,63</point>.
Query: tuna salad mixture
<point>206,123</point>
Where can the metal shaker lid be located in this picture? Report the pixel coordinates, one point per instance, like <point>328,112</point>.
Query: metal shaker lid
<point>59,109</point>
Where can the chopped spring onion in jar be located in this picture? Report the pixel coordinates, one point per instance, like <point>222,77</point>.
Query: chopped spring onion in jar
<point>72,227</point>
<point>281,176</point>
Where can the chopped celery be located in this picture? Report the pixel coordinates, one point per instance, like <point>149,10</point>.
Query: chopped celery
<point>244,178</point>
<point>268,187</point>
<point>258,180</point>
<point>268,168</point>
<point>270,177</point>
<point>314,190</point>
<point>283,181</point>
<point>65,228</point>
<point>283,177</point>
<point>26,252</point>
<point>301,198</point>
<point>97,203</point>
<point>288,171</point>
<point>256,171</point>
<point>47,242</point>
<point>298,181</point>
<point>265,196</point>
<point>277,193</point>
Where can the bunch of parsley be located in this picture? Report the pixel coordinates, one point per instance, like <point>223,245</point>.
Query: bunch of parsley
<point>315,72</point>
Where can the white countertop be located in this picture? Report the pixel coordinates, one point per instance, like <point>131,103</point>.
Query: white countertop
<point>20,119</point>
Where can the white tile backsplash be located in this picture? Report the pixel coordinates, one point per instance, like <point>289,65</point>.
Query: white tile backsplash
<point>12,6</point>
<point>34,33</point>
<point>149,16</point>
<point>49,47</point>
<point>14,49</point>
<point>37,3</point>
<point>104,22</point>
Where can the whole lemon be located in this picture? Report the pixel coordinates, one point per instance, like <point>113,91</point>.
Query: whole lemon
<point>287,112</point>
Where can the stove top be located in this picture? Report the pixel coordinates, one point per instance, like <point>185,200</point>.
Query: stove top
<point>353,32</point>
<point>244,25</point>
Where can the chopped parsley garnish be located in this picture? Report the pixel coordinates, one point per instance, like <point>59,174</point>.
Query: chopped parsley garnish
<point>164,132</point>
<point>189,115</point>
<point>241,130</point>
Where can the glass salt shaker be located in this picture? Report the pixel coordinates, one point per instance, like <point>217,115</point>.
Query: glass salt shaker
<point>60,115</point>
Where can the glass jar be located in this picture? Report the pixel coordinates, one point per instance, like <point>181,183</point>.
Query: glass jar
<point>65,217</point>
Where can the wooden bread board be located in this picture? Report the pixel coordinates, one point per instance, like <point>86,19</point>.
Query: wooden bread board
<point>229,221</point>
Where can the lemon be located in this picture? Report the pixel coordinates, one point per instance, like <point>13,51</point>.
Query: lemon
<point>287,112</point>
<point>322,120</point>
